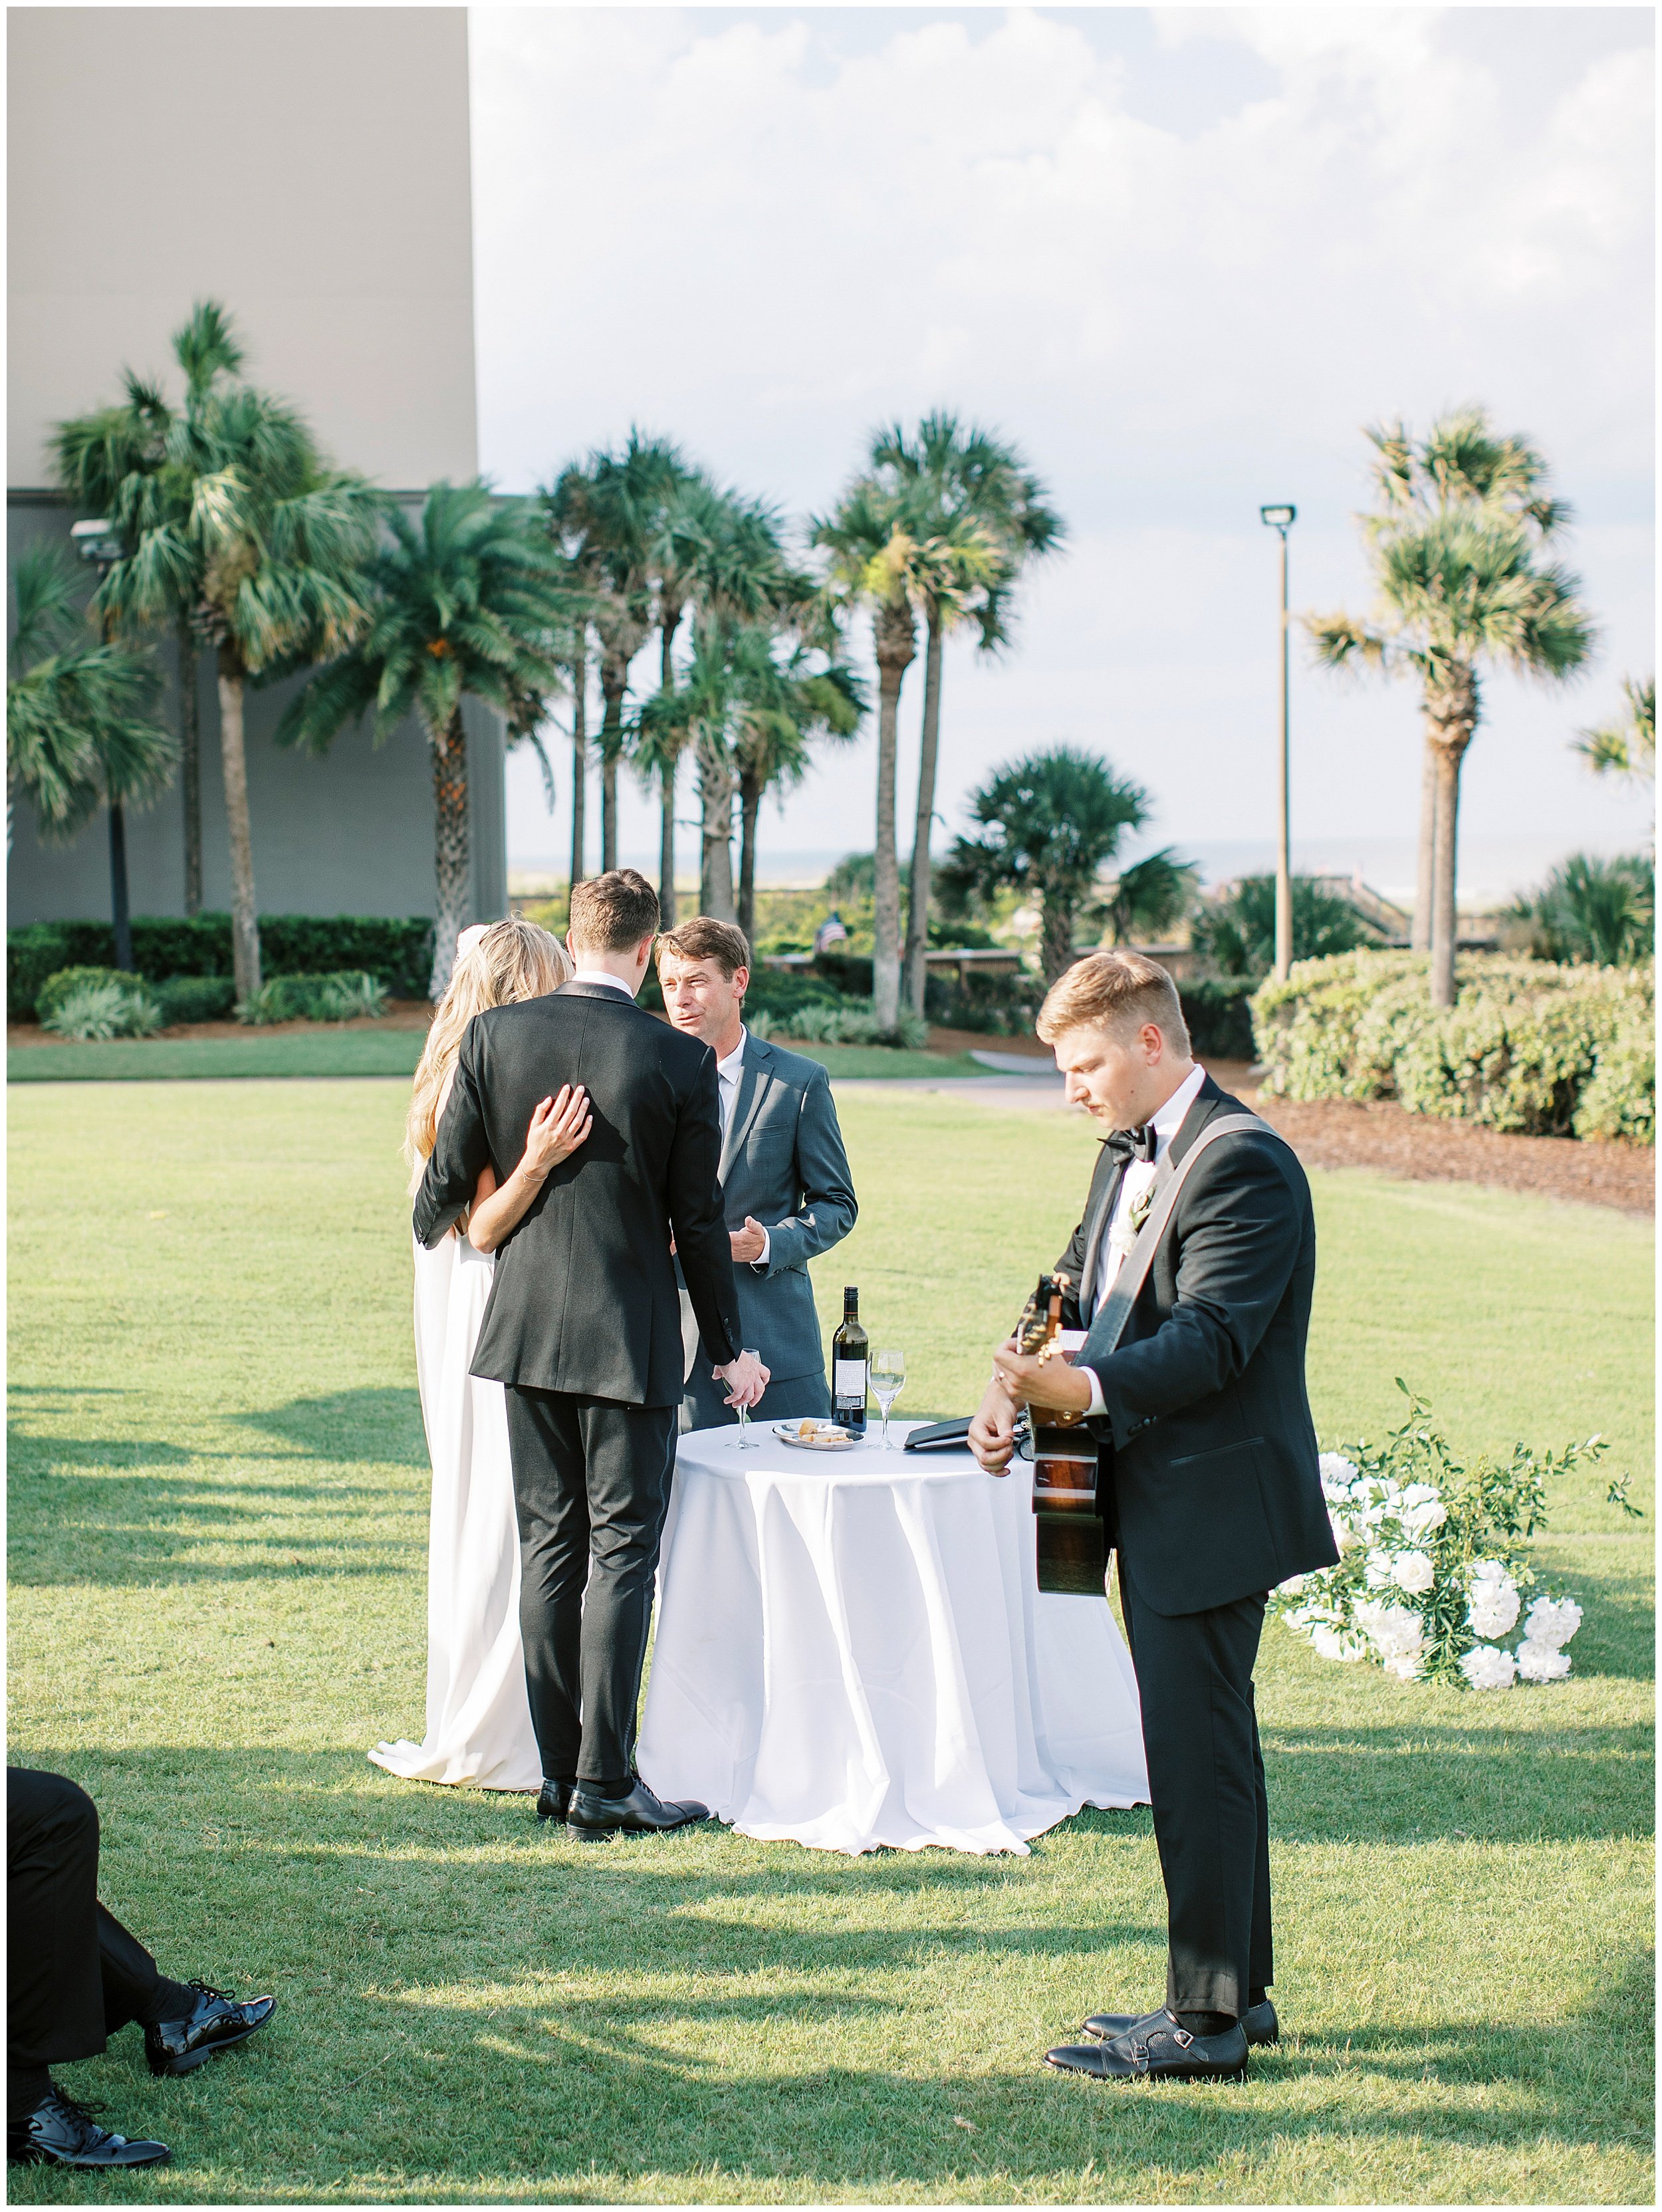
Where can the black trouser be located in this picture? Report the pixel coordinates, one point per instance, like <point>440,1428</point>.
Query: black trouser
<point>73,1974</point>
<point>1211,1816</point>
<point>591,1486</point>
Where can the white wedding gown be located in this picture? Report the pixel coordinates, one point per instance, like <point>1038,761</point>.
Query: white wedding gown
<point>478,1718</point>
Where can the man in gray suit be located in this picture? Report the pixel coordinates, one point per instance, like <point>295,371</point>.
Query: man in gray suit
<point>786,1191</point>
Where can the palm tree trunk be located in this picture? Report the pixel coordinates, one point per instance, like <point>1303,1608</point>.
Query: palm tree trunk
<point>917,923</point>
<point>1426,874</point>
<point>613,681</point>
<point>749,813</point>
<point>896,648</point>
<point>580,758</point>
<point>233,760</point>
<point>715,785</point>
<point>666,892</point>
<point>190,761</point>
<point>450,849</point>
<point>1056,921</point>
<point>120,913</point>
<point>1443,906</point>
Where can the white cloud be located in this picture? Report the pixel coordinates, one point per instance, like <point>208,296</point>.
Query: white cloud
<point>766,232</point>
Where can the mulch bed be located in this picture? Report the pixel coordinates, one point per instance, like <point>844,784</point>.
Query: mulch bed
<point>1420,1148</point>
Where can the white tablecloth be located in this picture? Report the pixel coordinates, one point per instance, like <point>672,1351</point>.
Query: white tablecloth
<point>851,1651</point>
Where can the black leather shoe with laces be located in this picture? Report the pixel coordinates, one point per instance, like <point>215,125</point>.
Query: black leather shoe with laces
<point>1158,2049</point>
<point>552,1800</point>
<point>591,1819</point>
<point>177,2046</point>
<point>1258,2023</point>
<point>61,2132</point>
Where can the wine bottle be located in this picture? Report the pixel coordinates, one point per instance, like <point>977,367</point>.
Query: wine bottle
<point>850,1361</point>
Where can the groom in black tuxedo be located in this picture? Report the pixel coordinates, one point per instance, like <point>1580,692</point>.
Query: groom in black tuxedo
<point>583,1328</point>
<point>1207,1475</point>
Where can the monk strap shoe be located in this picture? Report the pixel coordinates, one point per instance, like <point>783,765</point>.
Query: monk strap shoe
<point>1258,2023</point>
<point>592,1818</point>
<point>61,2132</point>
<point>178,2046</point>
<point>1157,2049</point>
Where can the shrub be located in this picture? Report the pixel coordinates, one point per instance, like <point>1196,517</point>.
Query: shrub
<point>396,950</point>
<point>1236,935</point>
<point>1218,1010</point>
<point>1005,1005</point>
<point>853,1025</point>
<point>1528,1045</point>
<point>195,998</point>
<point>332,998</point>
<point>1589,909</point>
<point>64,985</point>
<point>114,1008</point>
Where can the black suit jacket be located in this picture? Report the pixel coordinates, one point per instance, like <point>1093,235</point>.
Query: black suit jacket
<point>1209,1469</point>
<point>584,1295</point>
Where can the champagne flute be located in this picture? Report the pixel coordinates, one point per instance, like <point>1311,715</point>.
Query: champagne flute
<point>887,1381</point>
<point>746,1441</point>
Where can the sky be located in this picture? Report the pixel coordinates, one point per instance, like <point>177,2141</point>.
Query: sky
<point>1180,258</point>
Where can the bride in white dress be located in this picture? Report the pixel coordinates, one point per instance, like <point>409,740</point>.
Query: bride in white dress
<point>478,1718</point>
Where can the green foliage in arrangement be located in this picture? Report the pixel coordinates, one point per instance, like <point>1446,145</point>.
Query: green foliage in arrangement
<point>115,1006</point>
<point>1528,1045</point>
<point>396,950</point>
<point>343,996</point>
<point>195,999</point>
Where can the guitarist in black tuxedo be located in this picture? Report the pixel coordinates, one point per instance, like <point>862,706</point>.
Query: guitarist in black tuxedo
<point>1207,1476</point>
<point>583,1328</point>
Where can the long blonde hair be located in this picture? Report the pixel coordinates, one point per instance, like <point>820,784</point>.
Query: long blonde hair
<point>513,960</point>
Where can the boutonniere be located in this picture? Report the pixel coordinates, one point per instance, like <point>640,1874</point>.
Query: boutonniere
<point>1137,1193</point>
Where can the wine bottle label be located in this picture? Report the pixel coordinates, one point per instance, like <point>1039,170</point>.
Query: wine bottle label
<point>848,1380</point>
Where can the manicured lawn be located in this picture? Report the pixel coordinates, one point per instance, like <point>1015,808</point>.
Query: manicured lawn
<point>339,1052</point>
<point>218,1531</point>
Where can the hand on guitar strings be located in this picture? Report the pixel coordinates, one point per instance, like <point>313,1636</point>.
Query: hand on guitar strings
<point>1041,1379</point>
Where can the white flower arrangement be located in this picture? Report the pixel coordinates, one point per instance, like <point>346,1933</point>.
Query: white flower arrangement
<point>1433,1565</point>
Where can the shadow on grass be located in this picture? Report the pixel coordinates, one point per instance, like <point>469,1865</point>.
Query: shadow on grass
<point>384,1425</point>
<point>464,1996</point>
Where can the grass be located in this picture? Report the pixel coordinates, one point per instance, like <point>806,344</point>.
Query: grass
<point>354,1052</point>
<point>218,1528</point>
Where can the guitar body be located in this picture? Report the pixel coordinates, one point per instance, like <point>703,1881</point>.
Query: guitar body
<point>1072,1538</point>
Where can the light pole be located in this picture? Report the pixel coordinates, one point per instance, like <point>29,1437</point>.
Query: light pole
<point>1281,519</point>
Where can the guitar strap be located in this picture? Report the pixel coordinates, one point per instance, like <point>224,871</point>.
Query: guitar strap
<point>1109,1325</point>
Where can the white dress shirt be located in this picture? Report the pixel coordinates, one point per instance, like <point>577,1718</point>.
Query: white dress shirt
<point>728,1073</point>
<point>604,976</point>
<point>1139,1177</point>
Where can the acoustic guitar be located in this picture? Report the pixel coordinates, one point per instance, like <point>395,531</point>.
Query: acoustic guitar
<point>1072,1541</point>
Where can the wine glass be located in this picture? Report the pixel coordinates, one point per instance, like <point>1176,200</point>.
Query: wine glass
<point>887,1381</point>
<point>745,1441</point>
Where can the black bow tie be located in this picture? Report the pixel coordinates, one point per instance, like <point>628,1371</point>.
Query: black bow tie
<point>1129,1144</point>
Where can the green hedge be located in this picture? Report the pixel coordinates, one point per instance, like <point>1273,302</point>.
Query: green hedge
<point>1528,1045</point>
<point>397,951</point>
<point>1218,1010</point>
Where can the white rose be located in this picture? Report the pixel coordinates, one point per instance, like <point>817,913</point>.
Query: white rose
<point>1487,1667</point>
<point>1542,1662</point>
<point>1413,1571</point>
<point>1395,1632</point>
<point>1378,1570</point>
<point>1493,1609</point>
<point>1488,1571</point>
<point>1338,1474</point>
<point>1333,1643</point>
<point>1552,1621</point>
<point>1421,1509</point>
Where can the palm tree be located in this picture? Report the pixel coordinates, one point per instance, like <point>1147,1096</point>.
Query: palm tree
<point>570,526</point>
<point>470,603</point>
<point>1457,549</point>
<point>123,464</point>
<point>1048,823</point>
<point>1627,744</point>
<point>1601,911</point>
<point>788,710</point>
<point>81,724</point>
<point>1235,934</point>
<point>1153,894</point>
<point>874,561</point>
<point>973,499</point>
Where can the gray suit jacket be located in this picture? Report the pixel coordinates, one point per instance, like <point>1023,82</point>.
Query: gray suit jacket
<point>784,1164</point>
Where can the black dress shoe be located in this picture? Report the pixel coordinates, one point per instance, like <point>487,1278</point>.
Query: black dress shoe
<point>178,2046</point>
<point>60,2132</point>
<point>592,1818</point>
<point>1158,2049</point>
<point>552,1800</point>
<point>1258,2023</point>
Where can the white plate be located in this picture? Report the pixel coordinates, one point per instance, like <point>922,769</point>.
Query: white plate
<point>830,1437</point>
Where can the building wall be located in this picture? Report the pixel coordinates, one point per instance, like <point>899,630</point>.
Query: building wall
<point>308,168</point>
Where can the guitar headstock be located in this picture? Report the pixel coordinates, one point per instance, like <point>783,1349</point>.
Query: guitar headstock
<point>1042,1314</point>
